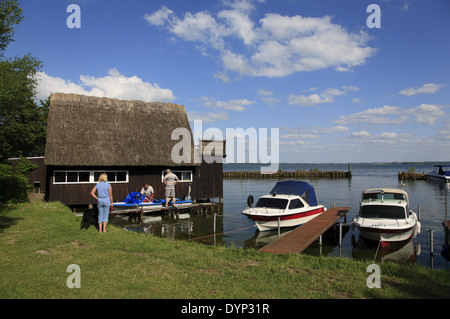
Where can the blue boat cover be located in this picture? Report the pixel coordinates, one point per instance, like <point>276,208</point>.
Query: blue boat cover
<point>134,198</point>
<point>303,189</point>
<point>443,169</point>
<point>138,198</point>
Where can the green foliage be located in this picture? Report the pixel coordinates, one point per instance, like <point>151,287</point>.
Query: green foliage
<point>5,169</point>
<point>10,15</point>
<point>13,189</point>
<point>22,120</point>
<point>24,167</point>
<point>412,169</point>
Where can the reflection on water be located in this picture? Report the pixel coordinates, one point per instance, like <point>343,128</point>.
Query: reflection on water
<point>234,229</point>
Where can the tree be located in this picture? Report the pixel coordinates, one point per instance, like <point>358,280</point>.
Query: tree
<point>10,15</point>
<point>22,120</point>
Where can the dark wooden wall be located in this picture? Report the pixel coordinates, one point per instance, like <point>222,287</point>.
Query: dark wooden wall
<point>36,175</point>
<point>207,183</point>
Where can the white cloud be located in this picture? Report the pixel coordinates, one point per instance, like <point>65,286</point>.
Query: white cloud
<point>361,134</point>
<point>267,97</point>
<point>208,117</point>
<point>444,132</point>
<point>331,130</point>
<point>385,137</point>
<point>428,113</point>
<point>424,114</point>
<point>275,46</point>
<point>114,85</point>
<point>382,115</point>
<point>231,105</point>
<point>159,17</point>
<point>325,97</point>
<point>426,88</point>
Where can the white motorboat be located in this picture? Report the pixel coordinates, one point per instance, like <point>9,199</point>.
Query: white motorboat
<point>135,201</point>
<point>289,204</point>
<point>385,216</point>
<point>440,173</point>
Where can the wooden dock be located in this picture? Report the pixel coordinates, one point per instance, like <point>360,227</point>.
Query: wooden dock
<point>300,238</point>
<point>287,174</point>
<point>161,209</point>
<point>411,176</point>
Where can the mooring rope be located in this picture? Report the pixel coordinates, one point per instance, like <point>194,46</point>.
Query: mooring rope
<point>376,253</point>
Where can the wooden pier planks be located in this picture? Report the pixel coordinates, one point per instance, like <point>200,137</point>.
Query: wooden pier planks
<point>300,238</point>
<point>287,174</point>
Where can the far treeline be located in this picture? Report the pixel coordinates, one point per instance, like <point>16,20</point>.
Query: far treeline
<point>23,120</point>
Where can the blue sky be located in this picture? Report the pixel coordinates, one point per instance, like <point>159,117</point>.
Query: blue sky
<point>337,90</point>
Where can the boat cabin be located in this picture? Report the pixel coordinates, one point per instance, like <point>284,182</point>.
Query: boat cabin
<point>384,203</point>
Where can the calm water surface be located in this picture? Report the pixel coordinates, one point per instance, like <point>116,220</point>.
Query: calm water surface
<point>235,229</point>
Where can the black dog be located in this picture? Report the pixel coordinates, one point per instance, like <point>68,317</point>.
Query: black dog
<point>90,217</point>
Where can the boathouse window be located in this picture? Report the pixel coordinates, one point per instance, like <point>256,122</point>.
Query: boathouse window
<point>113,176</point>
<point>78,177</point>
<point>183,176</point>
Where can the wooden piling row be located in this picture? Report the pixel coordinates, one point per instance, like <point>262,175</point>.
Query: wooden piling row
<point>286,174</point>
<point>403,176</point>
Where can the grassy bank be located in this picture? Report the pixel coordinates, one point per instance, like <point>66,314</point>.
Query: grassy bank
<point>39,240</point>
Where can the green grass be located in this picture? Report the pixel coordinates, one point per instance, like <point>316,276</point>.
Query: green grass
<point>39,240</point>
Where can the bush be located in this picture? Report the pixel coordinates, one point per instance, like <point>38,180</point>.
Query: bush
<point>13,189</point>
<point>5,169</point>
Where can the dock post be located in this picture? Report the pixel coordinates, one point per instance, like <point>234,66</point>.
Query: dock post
<point>340,234</point>
<point>320,240</point>
<point>418,212</point>
<point>215,222</point>
<point>445,201</point>
<point>278,222</point>
<point>431,242</point>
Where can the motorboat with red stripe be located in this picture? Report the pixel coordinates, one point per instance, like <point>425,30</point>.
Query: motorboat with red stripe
<point>289,204</point>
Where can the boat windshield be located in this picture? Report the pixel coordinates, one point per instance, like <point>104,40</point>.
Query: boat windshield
<point>385,211</point>
<point>442,170</point>
<point>375,196</point>
<point>279,203</point>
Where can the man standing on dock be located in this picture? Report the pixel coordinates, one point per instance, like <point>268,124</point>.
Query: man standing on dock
<point>170,180</point>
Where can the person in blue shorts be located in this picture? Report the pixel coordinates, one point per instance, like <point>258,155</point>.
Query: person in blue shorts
<point>104,201</point>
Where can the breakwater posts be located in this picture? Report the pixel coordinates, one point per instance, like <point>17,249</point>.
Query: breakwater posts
<point>411,176</point>
<point>283,174</point>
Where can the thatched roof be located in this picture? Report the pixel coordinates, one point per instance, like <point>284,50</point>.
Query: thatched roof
<point>93,131</point>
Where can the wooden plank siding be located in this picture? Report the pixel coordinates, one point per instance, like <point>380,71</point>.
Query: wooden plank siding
<point>206,183</point>
<point>209,181</point>
<point>36,175</point>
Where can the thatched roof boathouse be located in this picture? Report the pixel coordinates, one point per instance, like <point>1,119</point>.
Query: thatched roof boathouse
<point>129,140</point>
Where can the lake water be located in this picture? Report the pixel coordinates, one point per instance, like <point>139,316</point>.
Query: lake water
<point>235,229</point>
